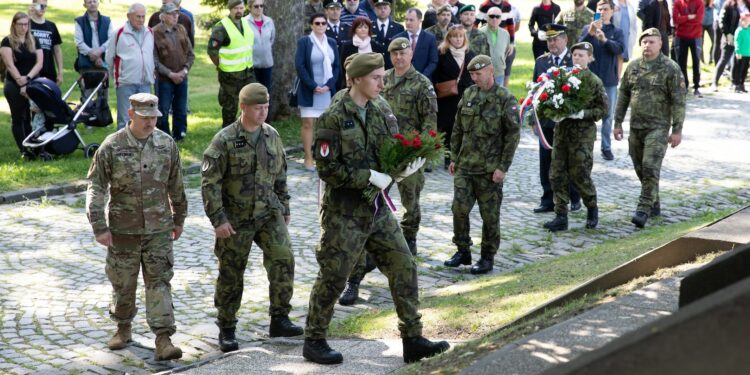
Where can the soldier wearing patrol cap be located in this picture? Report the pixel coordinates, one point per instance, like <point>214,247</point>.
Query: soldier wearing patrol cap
<point>137,169</point>
<point>573,146</point>
<point>654,89</point>
<point>347,137</point>
<point>246,198</point>
<point>484,140</point>
<point>230,48</point>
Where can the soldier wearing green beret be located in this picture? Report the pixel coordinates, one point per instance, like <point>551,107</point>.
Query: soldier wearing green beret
<point>654,88</point>
<point>484,140</point>
<point>573,146</point>
<point>138,170</point>
<point>478,42</point>
<point>230,48</point>
<point>246,198</point>
<point>347,138</point>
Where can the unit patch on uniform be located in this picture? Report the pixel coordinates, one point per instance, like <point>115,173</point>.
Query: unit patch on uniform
<point>325,149</point>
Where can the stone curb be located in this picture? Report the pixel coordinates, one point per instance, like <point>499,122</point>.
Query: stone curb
<point>80,185</point>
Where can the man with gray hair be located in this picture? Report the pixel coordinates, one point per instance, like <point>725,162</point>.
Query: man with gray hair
<point>130,60</point>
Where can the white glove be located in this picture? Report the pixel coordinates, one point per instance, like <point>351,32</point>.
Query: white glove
<point>411,168</point>
<point>381,180</point>
<point>576,116</point>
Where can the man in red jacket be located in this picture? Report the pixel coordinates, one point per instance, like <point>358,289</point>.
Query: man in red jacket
<point>688,17</point>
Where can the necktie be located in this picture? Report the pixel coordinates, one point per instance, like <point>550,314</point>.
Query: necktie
<point>413,42</point>
<point>557,60</point>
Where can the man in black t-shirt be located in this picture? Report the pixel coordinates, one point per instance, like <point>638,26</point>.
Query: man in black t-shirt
<point>49,41</point>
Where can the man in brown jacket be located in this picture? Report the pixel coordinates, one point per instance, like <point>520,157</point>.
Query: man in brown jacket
<point>173,57</point>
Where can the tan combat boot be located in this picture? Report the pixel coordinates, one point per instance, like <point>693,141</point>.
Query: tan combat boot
<point>164,348</point>
<point>121,338</point>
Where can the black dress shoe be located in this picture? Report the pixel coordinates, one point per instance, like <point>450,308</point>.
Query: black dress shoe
<point>542,209</point>
<point>639,219</point>
<point>318,351</point>
<point>227,340</point>
<point>458,259</point>
<point>592,218</point>
<point>281,326</point>
<point>416,348</point>
<point>350,293</point>
<point>560,222</point>
<point>575,207</point>
<point>482,266</point>
<point>656,210</point>
<point>608,155</point>
<point>412,246</point>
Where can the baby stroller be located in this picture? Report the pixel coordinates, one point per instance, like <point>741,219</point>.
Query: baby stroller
<point>59,136</point>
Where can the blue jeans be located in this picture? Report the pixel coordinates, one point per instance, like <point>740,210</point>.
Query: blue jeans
<point>607,121</point>
<point>123,102</point>
<point>173,97</point>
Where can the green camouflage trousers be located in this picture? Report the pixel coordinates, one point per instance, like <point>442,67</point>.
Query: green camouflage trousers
<point>230,85</point>
<point>573,159</point>
<point>125,258</point>
<point>278,260</point>
<point>468,189</point>
<point>342,241</point>
<point>647,148</point>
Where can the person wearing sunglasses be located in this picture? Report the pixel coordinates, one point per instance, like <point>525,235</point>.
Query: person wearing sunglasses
<point>46,33</point>
<point>265,34</point>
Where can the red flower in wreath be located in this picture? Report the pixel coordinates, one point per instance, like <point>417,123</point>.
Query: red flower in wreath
<point>544,96</point>
<point>565,88</point>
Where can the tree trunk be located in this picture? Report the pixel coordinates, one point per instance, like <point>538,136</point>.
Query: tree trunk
<point>288,15</point>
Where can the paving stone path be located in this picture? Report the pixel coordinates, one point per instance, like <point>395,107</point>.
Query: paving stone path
<point>54,294</point>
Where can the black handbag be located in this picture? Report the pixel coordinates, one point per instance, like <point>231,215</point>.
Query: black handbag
<point>293,93</point>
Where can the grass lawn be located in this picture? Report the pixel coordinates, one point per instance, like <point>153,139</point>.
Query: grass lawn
<point>472,310</point>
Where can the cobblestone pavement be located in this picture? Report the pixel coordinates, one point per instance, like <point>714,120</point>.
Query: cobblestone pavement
<point>54,294</point>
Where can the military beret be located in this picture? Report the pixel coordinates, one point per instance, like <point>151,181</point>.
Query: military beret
<point>399,44</point>
<point>444,8</point>
<point>349,59</point>
<point>332,3</point>
<point>382,2</point>
<point>479,62</point>
<point>467,8</point>
<point>169,8</point>
<point>254,93</point>
<point>145,104</point>
<point>233,3</point>
<point>650,32</point>
<point>552,30</point>
<point>586,46</point>
<point>364,63</point>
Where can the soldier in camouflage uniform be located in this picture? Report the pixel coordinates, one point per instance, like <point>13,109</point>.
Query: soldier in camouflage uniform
<point>484,140</point>
<point>347,137</point>
<point>478,42</point>
<point>138,169</point>
<point>245,196</point>
<point>440,29</point>
<point>230,48</point>
<point>654,89</point>
<point>573,146</point>
<point>575,19</point>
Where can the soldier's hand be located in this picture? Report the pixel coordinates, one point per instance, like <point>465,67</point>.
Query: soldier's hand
<point>176,233</point>
<point>104,239</point>
<point>675,139</point>
<point>224,231</point>
<point>287,219</point>
<point>618,134</point>
<point>452,169</point>
<point>498,176</point>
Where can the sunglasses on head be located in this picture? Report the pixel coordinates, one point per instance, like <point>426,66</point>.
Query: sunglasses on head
<point>494,16</point>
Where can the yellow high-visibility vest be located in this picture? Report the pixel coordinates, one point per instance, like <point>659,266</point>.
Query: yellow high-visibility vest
<point>238,55</point>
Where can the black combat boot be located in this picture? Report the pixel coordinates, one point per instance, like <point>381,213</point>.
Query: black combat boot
<point>482,266</point>
<point>350,293</point>
<point>281,326</point>
<point>318,351</point>
<point>416,348</point>
<point>227,341</point>
<point>656,210</point>
<point>412,246</point>
<point>461,257</point>
<point>639,219</point>
<point>592,218</point>
<point>560,222</point>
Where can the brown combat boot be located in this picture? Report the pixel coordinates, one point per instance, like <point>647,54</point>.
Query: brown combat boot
<point>121,338</point>
<point>164,348</point>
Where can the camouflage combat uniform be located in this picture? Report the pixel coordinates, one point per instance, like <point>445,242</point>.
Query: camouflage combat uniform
<point>346,148</point>
<point>230,83</point>
<point>244,184</point>
<point>575,20</point>
<point>437,32</point>
<point>485,138</point>
<point>655,92</point>
<point>573,148</point>
<point>146,201</point>
<point>478,42</point>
